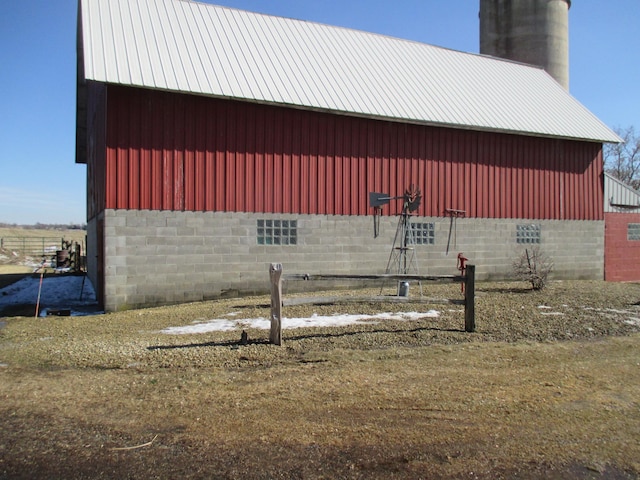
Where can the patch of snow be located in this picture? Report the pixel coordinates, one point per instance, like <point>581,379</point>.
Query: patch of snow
<point>633,321</point>
<point>551,313</point>
<point>65,291</point>
<point>217,325</point>
<point>617,311</point>
<point>543,306</point>
<point>291,323</point>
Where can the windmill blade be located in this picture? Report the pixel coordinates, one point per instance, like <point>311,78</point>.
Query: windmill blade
<point>378,199</point>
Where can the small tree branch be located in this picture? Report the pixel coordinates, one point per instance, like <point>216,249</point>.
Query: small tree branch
<point>135,446</point>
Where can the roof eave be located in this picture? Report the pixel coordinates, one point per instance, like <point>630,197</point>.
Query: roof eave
<point>81,94</point>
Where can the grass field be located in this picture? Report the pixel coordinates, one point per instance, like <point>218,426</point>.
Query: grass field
<point>535,393</point>
<point>75,235</point>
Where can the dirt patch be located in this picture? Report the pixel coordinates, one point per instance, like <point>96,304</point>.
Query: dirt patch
<point>547,387</point>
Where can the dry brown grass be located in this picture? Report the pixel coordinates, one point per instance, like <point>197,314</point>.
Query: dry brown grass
<point>12,270</point>
<point>398,400</point>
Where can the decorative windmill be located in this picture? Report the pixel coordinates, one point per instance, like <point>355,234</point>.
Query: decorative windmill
<point>402,259</point>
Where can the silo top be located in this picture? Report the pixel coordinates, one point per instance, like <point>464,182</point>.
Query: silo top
<point>528,31</point>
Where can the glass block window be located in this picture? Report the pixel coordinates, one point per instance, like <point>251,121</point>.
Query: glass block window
<point>423,233</point>
<point>633,231</point>
<point>528,233</point>
<point>277,232</point>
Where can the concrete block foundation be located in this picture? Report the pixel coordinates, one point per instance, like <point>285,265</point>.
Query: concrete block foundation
<point>148,258</point>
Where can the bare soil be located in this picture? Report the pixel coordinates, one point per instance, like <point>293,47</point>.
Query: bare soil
<point>548,387</point>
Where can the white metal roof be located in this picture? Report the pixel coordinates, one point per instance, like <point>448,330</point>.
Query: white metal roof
<point>205,49</point>
<point>619,197</point>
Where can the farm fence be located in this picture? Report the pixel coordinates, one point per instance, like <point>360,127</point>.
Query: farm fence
<point>276,278</point>
<point>32,246</point>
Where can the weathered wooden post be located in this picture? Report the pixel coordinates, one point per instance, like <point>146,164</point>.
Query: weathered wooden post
<point>275,275</point>
<point>469,299</point>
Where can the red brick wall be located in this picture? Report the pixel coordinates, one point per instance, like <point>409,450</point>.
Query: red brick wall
<point>621,256</point>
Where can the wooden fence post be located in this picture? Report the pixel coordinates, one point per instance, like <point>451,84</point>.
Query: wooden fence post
<point>275,276</point>
<point>469,299</point>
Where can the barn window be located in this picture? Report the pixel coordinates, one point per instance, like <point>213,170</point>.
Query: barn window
<point>529,233</point>
<point>277,232</point>
<point>633,231</point>
<point>423,233</point>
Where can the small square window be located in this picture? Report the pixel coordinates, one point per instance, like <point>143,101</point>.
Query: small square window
<point>422,233</point>
<point>277,232</point>
<point>528,234</point>
<point>633,231</point>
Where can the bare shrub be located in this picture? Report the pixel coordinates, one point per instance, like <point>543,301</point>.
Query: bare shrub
<point>533,266</point>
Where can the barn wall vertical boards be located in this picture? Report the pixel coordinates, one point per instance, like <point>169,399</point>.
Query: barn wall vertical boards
<point>169,151</point>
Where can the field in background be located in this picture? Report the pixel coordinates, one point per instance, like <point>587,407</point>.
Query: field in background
<point>14,260</point>
<point>67,234</point>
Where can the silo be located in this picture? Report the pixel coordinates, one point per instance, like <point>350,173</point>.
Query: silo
<point>528,31</point>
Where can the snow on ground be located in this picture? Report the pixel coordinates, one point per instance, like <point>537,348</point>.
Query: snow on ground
<point>315,320</point>
<point>68,291</point>
<point>60,291</point>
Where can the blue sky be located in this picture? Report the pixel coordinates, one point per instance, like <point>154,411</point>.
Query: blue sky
<point>40,182</point>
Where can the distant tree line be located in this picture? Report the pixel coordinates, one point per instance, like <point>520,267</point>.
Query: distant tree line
<point>47,226</point>
<point>622,160</point>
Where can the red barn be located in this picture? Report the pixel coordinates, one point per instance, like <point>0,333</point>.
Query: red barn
<point>218,141</point>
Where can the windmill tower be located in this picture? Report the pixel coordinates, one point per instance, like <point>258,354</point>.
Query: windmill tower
<point>402,259</point>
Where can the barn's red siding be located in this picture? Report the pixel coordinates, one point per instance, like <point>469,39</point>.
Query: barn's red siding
<point>621,256</point>
<point>168,151</point>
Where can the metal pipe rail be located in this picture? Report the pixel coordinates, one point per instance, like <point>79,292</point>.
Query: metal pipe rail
<point>276,278</point>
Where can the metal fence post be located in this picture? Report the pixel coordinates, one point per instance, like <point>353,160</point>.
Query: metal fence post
<point>469,299</point>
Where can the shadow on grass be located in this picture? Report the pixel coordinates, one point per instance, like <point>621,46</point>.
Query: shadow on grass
<point>227,343</point>
<point>20,310</point>
<point>518,290</point>
<point>7,279</point>
<point>235,343</point>
<point>380,331</point>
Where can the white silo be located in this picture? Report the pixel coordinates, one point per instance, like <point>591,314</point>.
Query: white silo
<point>528,31</point>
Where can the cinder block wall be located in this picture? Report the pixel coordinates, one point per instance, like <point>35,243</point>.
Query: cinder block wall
<point>162,257</point>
